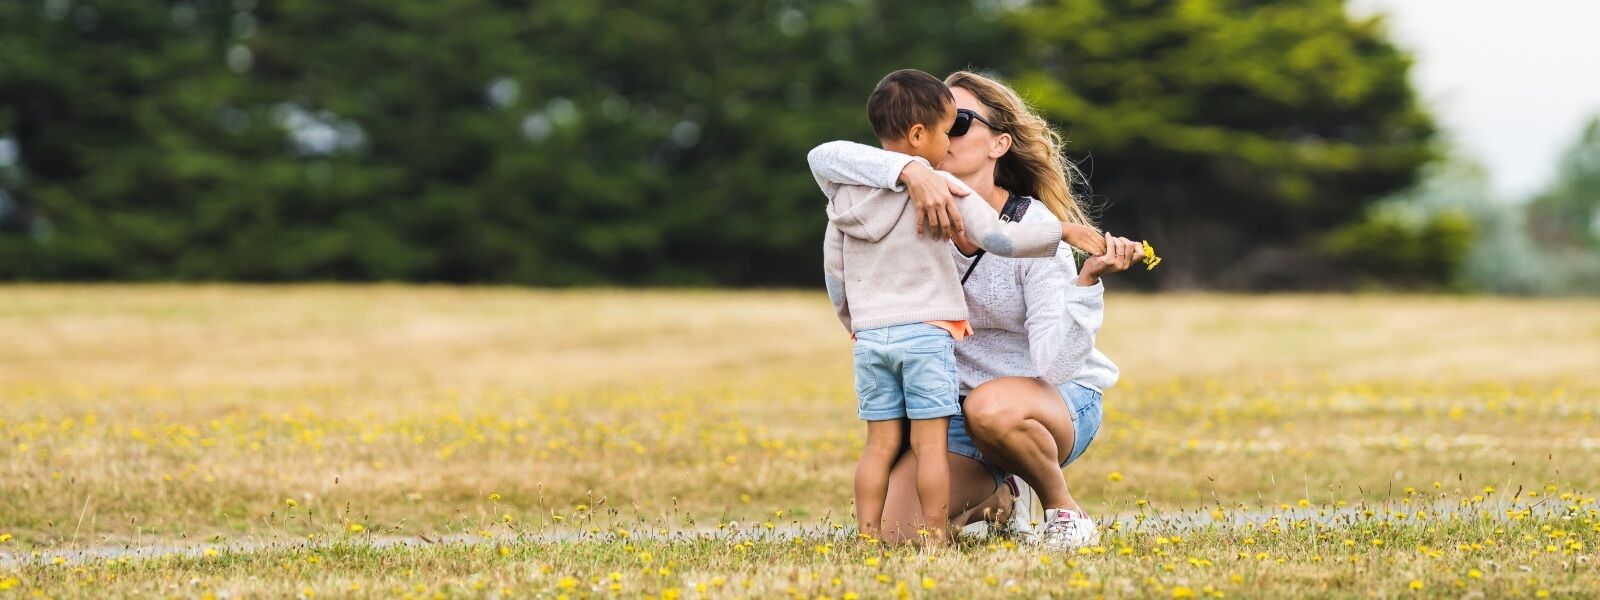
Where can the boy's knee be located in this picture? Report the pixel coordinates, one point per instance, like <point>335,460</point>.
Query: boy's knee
<point>929,448</point>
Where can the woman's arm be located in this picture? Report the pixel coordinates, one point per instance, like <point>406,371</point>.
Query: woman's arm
<point>1063,317</point>
<point>1120,253</point>
<point>1066,309</point>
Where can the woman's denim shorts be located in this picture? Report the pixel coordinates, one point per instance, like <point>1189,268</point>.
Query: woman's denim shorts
<point>1082,400</point>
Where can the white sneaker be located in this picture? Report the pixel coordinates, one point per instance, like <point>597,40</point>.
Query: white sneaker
<point>1019,525</point>
<point>1068,530</point>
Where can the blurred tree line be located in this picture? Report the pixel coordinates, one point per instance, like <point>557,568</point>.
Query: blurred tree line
<point>561,142</point>
<point>1547,244</point>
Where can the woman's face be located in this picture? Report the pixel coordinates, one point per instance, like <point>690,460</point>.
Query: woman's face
<point>979,148</point>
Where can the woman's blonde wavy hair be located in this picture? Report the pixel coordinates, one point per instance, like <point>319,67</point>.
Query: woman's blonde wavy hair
<point>1035,164</point>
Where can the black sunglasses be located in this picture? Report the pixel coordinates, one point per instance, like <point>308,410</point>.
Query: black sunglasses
<point>964,119</point>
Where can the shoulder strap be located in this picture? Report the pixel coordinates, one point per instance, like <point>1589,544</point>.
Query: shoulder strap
<point>1015,207</point>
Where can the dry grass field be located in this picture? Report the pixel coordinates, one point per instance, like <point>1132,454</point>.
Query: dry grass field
<point>243,441</point>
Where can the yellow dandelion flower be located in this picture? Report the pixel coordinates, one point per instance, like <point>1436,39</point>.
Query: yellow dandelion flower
<point>1150,258</point>
<point>1114,476</point>
<point>357,528</point>
<point>928,583</point>
<point>289,502</point>
<point>1416,584</point>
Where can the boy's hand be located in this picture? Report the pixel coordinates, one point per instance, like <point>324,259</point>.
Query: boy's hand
<point>1084,238</point>
<point>934,197</point>
<point>1120,254</point>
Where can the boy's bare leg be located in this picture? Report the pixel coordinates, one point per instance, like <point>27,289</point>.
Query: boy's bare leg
<point>872,474</point>
<point>970,485</point>
<point>933,477</point>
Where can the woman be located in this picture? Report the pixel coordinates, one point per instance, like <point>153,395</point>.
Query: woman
<point>1031,377</point>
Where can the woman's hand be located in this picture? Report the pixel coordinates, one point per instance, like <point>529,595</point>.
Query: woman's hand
<point>1120,254</point>
<point>934,197</point>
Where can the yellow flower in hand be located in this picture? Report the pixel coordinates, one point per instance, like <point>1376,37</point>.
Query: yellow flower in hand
<point>1150,258</point>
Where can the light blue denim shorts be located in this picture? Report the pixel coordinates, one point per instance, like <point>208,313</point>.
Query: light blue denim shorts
<point>1082,400</point>
<point>906,372</point>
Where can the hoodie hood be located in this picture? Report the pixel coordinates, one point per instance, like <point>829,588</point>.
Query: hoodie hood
<point>867,213</point>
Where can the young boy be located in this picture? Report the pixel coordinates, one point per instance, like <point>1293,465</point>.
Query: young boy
<point>899,295</point>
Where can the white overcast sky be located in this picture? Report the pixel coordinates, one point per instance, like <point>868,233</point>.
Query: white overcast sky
<point>1511,83</point>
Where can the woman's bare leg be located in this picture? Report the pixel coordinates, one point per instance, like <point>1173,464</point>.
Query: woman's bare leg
<point>994,509</point>
<point>1024,426</point>
<point>970,485</point>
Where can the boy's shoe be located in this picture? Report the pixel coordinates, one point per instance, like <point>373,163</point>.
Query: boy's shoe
<point>1019,525</point>
<point>1068,530</point>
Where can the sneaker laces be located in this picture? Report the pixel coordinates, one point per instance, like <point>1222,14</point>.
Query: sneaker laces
<point>1066,520</point>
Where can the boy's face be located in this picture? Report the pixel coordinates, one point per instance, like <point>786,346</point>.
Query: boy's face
<point>935,143</point>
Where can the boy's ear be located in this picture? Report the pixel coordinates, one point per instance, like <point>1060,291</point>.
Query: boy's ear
<point>1000,145</point>
<point>916,135</point>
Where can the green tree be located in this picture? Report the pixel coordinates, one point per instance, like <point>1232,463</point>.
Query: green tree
<point>646,141</point>
<point>1568,214</point>
<point>1230,133</point>
<point>549,142</point>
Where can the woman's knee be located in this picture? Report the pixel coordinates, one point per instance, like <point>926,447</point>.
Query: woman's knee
<point>987,412</point>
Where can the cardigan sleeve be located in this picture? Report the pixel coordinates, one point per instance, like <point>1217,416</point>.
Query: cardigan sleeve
<point>1062,317</point>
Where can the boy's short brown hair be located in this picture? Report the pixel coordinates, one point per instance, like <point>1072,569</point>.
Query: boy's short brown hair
<point>904,98</point>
